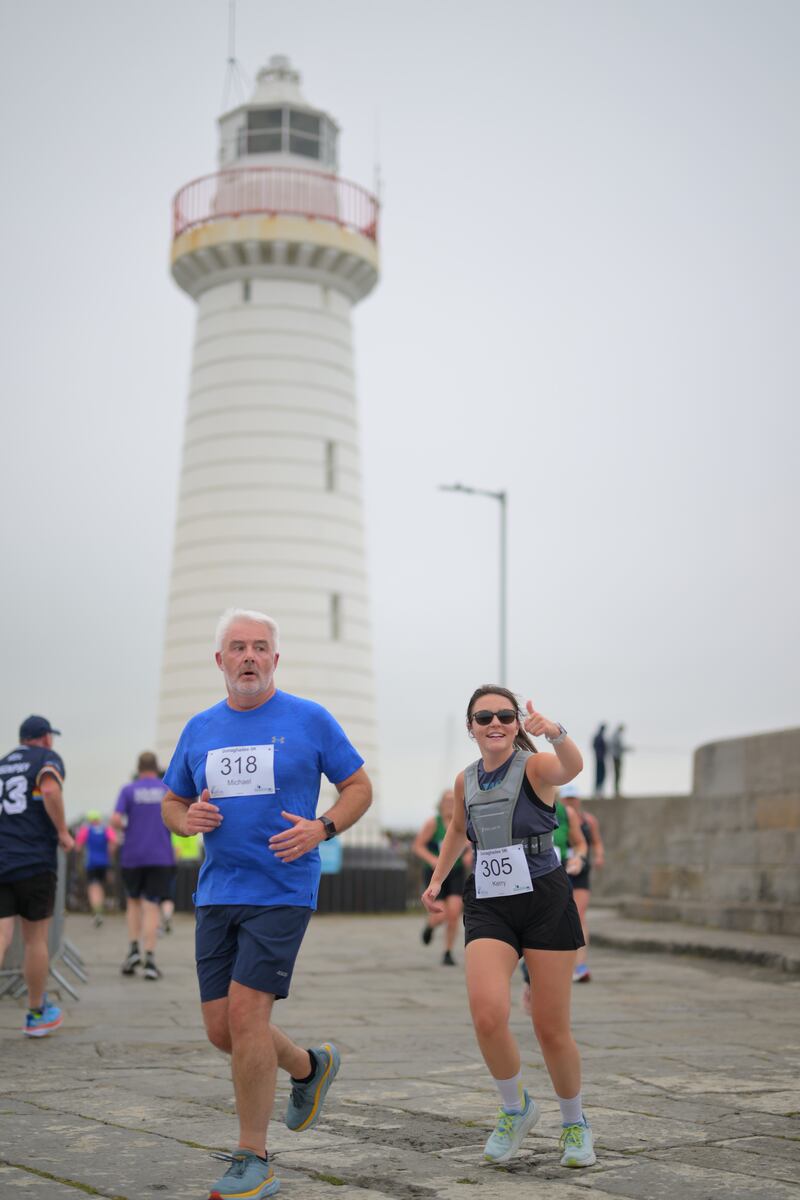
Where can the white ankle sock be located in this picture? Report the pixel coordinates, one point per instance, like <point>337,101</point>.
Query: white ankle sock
<point>512,1096</point>
<point>571,1110</point>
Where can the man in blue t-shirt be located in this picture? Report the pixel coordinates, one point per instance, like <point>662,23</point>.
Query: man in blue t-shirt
<point>32,827</point>
<point>255,760</point>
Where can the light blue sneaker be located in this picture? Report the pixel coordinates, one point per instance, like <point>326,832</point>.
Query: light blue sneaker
<point>41,1021</point>
<point>247,1178</point>
<point>305,1102</point>
<point>509,1131</point>
<point>578,1145</point>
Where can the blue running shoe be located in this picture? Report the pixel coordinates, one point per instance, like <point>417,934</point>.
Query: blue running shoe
<point>247,1178</point>
<point>305,1102</point>
<point>578,1145</point>
<point>41,1021</point>
<point>581,974</point>
<point>509,1131</point>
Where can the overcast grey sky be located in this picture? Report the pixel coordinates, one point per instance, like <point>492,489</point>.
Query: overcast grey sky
<point>589,298</point>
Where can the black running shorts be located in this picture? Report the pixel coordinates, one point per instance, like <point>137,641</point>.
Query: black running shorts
<point>148,883</point>
<point>453,885</point>
<point>32,898</point>
<point>581,880</point>
<point>544,919</point>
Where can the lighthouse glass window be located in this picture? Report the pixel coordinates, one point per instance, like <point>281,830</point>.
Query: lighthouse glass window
<point>304,134</point>
<point>264,130</point>
<point>289,131</point>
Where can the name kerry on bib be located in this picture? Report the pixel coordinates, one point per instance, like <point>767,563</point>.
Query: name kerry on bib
<point>240,771</point>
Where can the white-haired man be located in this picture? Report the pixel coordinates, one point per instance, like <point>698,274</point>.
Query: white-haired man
<point>255,761</point>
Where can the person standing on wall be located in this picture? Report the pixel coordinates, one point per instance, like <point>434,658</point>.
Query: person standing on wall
<point>600,747</point>
<point>618,749</point>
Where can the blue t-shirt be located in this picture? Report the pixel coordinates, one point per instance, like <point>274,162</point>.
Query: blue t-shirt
<point>307,742</point>
<point>28,838</point>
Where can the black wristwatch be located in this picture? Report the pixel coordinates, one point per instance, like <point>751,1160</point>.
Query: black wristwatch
<point>330,828</point>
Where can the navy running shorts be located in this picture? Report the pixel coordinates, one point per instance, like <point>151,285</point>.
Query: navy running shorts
<point>544,919</point>
<point>148,883</point>
<point>32,898</point>
<point>247,944</point>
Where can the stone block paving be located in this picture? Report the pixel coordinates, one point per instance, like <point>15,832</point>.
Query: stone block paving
<point>691,1079</point>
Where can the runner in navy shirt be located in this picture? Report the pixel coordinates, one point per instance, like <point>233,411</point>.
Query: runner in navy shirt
<point>32,826</point>
<point>256,761</point>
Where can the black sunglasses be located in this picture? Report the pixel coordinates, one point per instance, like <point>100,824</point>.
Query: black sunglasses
<point>506,716</point>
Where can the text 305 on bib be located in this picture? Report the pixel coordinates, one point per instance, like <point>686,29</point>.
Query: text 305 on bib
<point>502,872</point>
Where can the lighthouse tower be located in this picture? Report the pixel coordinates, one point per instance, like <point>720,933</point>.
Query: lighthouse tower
<point>275,249</point>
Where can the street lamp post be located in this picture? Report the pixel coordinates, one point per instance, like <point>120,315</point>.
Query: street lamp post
<point>502,498</point>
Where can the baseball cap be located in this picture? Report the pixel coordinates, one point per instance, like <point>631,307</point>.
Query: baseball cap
<point>35,727</point>
<point>569,791</point>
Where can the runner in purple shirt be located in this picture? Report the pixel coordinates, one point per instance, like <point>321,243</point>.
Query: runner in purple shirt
<point>147,862</point>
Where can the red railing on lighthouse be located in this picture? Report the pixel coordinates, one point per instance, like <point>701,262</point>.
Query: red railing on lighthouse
<point>274,191</point>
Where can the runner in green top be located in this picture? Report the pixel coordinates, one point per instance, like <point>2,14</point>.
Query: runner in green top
<point>426,846</point>
<point>595,857</point>
<point>571,847</point>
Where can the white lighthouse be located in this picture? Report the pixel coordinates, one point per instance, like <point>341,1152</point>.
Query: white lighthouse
<point>275,249</point>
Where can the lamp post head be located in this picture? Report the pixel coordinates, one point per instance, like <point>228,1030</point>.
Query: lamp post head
<point>473,491</point>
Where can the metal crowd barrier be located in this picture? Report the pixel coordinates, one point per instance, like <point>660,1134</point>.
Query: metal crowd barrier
<point>372,879</point>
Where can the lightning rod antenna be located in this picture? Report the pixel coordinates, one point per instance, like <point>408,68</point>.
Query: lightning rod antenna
<point>235,85</point>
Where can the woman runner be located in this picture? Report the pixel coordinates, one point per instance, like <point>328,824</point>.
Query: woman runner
<point>518,903</point>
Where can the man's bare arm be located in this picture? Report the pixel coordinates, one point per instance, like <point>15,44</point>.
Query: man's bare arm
<point>53,798</point>
<point>355,797</point>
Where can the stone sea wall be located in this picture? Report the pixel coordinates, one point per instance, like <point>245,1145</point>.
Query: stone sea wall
<point>727,855</point>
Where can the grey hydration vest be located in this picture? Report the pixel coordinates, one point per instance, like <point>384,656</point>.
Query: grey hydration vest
<point>492,812</point>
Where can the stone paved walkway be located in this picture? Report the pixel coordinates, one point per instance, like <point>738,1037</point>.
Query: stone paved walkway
<point>691,1067</point>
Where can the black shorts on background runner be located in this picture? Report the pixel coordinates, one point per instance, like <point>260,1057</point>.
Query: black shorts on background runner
<point>32,898</point>
<point>452,886</point>
<point>581,880</point>
<point>148,883</point>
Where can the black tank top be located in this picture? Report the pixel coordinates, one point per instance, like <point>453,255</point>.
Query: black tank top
<point>531,817</point>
